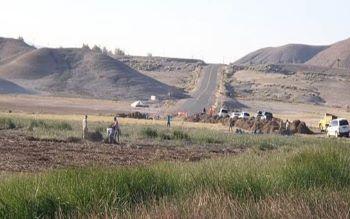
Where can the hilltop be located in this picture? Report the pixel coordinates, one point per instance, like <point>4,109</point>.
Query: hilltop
<point>12,48</point>
<point>82,72</point>
<point>291,53</point>
<point>329,56</point>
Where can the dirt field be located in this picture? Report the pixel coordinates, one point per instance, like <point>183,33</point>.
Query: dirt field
<point>65,105</point>
<point>22,154</point>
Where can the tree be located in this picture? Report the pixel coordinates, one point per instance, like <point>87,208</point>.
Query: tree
<point>96,49</point>
<point>86,46</point>
<point>119,52</point>
<point>21,38</point>
<point>105,51</point>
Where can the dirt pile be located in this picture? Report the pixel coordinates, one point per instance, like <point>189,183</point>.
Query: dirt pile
<point>298,126</point>
<point>275,125</point>
<point>255,125</point>
<point>205,118</point>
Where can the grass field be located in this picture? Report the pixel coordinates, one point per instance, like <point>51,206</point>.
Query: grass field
<point>276,177</point>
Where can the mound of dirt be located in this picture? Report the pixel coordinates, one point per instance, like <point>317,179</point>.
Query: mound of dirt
<point>83,73</point>
<point>254,125</point>
<point>298,126</point>
<point>291,53</point>
<point>329,57</point>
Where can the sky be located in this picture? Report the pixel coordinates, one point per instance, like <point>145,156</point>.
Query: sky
<point>215,31</point>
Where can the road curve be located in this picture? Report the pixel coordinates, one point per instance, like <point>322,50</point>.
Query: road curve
<point>204,96</point>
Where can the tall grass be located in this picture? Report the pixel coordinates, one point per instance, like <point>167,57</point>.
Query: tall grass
<point>281,176</point>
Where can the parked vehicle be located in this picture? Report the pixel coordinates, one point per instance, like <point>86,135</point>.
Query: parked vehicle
<point>258,114</point>
<point>235,115</point>
<point>324,123</point>
<point>264,115</point>
<point>338,128</point>
<point>223,112</point>
<point>244,115</point>
<point>267,116</point>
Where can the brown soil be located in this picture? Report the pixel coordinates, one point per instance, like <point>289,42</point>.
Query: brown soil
<point>21,153</point>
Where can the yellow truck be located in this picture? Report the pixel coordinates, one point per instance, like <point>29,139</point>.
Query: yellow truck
<point>324,123</point>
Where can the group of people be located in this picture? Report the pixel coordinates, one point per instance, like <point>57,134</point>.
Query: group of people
<point>113,132</point>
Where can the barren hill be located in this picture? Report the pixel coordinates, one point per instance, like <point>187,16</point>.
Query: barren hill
<point>291,53</point>
<point>329,57</point>
<point>12,48</point>
<point>82,72</point>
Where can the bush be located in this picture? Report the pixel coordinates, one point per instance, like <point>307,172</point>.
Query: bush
<point>150,133</point>
<point>7,123</point>
<point>180,135</point>
<point>165,136</point>
<point>49,125</point>
<point>266,146</point>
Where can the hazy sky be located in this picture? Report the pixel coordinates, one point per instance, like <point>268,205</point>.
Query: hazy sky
<point>207,29</point>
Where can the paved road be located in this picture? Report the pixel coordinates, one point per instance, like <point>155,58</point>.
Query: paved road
<point>204,95</point>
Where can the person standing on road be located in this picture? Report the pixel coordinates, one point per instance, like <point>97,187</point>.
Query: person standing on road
<point>85,126</point>
<point>168,121</point>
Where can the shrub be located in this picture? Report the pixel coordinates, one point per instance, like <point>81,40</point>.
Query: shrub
<point>180,135</point>
<point>165,136</point>
<point>7,123</point>
<point>149,132</point>
<point>266,146</point>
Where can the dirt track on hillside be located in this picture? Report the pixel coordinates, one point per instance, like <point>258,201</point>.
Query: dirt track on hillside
<point>20,153</point>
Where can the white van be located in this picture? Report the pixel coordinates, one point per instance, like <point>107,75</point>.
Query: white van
<point>244,115</point>
<point>235,115</point>
<point>223,112</point>
<point>338,128</point>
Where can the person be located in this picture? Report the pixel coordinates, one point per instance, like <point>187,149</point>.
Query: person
<point>85,126</point>
<point>288,126</point>
<point>204,111</point>
<point>168,120</point>
<point>115,131</point>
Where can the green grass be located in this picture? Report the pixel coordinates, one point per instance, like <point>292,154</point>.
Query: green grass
<point>309,175</point>
<point>7,123</point>
<point>252,176</point>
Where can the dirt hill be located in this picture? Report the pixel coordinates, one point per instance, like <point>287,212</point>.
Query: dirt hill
<point>291,53</point>
<point>82,72</point>
<point>329,57</point>
<point>12,48</point>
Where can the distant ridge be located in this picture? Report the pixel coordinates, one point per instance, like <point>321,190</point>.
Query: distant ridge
<point>12,48</point>
<point>288,54</point>
<point>329,57</point>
